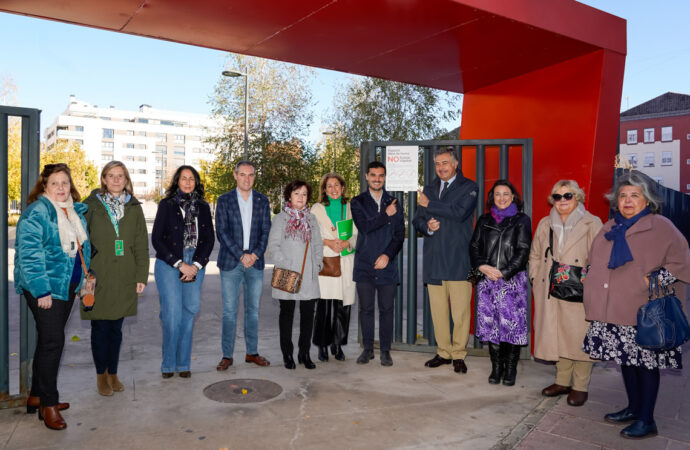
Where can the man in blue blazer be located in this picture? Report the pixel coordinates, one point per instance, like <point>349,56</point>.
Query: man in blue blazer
<point>243,221</point>
<point>444,218</point>
<point>381,232</point>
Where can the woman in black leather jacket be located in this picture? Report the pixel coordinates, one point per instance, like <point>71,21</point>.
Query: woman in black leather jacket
<point>499,251</point>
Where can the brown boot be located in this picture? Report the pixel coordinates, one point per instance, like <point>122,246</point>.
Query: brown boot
<point>51,417</point>
<point>115,384</point>
<point>103,384</point>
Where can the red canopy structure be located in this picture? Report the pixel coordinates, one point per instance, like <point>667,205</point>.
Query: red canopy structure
<point>551,71</point>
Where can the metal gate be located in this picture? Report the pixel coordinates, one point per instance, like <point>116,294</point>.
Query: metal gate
<point>406,312</point>
<point>30,141</point>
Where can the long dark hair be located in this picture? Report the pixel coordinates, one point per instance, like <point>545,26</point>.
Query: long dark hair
<point>516,196</point>
<point>40,186</point>
<point>175,183</point>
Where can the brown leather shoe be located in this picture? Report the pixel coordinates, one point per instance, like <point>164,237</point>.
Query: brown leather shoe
<point>185,374</point>
<point>555,390</point>
<point>32,404</point>
<point>51,417</point>
<point>577,398</point>
<point>257,359</point>
<point>224,364</point>
<point>459,366</point>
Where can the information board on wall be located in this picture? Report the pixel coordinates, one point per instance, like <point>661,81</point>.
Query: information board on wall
<point>402,164</point>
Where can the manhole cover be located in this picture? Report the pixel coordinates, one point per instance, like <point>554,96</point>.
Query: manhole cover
<point>243,390</point>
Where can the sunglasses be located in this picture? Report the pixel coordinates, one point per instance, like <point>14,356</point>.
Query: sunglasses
<point>567,196</point>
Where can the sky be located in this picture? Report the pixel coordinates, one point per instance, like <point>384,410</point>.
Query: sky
<point>48,61</point>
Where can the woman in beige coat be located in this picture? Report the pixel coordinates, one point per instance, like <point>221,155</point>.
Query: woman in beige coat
<point>559,325</point>
<point>332,319</point>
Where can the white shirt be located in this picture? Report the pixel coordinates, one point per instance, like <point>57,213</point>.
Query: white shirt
<point>377,200</point>
<point>245,207</point>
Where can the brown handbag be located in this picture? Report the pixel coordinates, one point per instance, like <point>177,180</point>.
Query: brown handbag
<point>289,280</point>
<point>331,264</point>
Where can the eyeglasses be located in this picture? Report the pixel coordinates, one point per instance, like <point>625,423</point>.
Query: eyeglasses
<point>567,196</point>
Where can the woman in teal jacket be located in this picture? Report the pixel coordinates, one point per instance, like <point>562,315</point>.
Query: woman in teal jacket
<point>48,271</point>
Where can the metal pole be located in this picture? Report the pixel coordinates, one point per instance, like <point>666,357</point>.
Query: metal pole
<point>503,161</point>
<point>246,114</point>
<point>4,300</point>
<point>481,168</point>
<point>398,305</point>
<point>411,269</point>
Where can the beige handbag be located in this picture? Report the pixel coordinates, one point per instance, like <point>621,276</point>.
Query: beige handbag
<point>289,280</point>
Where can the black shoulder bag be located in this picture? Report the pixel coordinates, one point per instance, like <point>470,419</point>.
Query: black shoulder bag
<point>565,279</point>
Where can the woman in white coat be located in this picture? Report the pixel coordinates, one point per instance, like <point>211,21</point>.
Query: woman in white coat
<point>332,320</point>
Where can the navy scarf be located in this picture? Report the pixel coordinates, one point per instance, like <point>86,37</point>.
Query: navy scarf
<point>620,252</point>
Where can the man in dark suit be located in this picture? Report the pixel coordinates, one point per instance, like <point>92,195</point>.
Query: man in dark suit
<point>381,232</point>
<point>243,221</point>
<point>447,206</point>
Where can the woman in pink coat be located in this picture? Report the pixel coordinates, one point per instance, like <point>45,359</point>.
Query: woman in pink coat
<point>636,242</point>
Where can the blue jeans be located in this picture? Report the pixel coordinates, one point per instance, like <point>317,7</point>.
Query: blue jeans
<point>230,280</point>
<point>179,304</point>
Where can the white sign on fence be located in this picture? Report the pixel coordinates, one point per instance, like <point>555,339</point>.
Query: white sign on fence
<point>402,168</point>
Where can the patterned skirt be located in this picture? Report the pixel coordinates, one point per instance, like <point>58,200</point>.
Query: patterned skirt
<point>611,342</point>
<point>502,310</point>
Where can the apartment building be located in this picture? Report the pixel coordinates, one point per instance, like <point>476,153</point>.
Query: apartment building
<point>151,142</point>
<point>655,139</point>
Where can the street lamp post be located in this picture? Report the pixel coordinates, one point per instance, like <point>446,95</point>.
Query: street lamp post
<point>335,154</point>
<point>235,74</point>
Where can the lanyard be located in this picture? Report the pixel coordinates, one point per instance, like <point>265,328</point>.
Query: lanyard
<point>112,218</point>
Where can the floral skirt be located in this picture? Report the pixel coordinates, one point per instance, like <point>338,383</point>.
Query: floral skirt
<point>502,310</point>
<point>610,342</point>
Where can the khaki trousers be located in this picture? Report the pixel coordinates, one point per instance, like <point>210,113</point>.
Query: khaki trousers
<point>577,371</point>
<point>459,293</point>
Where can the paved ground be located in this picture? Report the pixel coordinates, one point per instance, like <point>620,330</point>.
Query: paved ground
<point>337,405</point>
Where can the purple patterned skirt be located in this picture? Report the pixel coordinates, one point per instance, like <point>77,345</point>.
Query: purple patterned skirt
<point>502,310</point>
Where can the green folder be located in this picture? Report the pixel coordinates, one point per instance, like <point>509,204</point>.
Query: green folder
<point>344,228</point>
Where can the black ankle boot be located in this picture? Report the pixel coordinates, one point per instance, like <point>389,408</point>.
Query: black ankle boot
<point>512,358</point>
<point>289,362</point>
<point>339,355</point>
<point>497,364</point>
<point>323,353</point>
<point>304,358</point>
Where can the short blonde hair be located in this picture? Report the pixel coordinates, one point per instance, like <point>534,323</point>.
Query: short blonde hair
<point>110,166</point>
<point>570,184</point>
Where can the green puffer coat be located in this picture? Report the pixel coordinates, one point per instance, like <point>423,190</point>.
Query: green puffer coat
<point>117,276</point>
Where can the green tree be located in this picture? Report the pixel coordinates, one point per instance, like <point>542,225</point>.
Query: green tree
<point>14,141</point>
<point>280,104</point>
<point>84,172</point>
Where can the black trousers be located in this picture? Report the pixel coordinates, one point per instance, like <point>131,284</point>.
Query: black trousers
<point>306,325</point>
<point>331,323</point>
<point>106,339</point>
<point>367,302</point>
<point>50,326</point>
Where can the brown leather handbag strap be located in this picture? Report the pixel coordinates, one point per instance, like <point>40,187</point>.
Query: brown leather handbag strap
<point>304,261</point>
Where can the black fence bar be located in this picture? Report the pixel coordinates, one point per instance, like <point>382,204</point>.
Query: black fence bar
<point>398,306</point>
<point>411,269</point>
<point>503,161</point>
<point>30,168</point>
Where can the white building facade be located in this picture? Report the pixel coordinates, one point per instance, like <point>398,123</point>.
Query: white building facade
<point>152,143</point>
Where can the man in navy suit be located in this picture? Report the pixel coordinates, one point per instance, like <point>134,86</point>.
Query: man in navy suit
<point>243,221</point>
<point>381,232</point>
<point>444,218</point>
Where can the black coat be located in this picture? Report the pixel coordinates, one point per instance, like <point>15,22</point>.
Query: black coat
<point>378,233</point>
<point>167,236</point>
<point>446,252</point>
<point>504,245</point>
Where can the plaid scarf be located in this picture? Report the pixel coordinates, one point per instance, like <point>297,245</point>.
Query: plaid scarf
<point>297,226</point>
<point>188,203</point>
<point>116,204</point>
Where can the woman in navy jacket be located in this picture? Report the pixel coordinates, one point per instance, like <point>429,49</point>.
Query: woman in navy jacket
<point>48,272</point>
<point>183,239</point>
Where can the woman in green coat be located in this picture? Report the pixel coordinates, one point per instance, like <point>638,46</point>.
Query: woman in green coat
<point>119,239</point>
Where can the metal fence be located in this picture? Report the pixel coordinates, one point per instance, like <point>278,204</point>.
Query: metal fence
<point>406,307</point>
<point>30,139</point>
